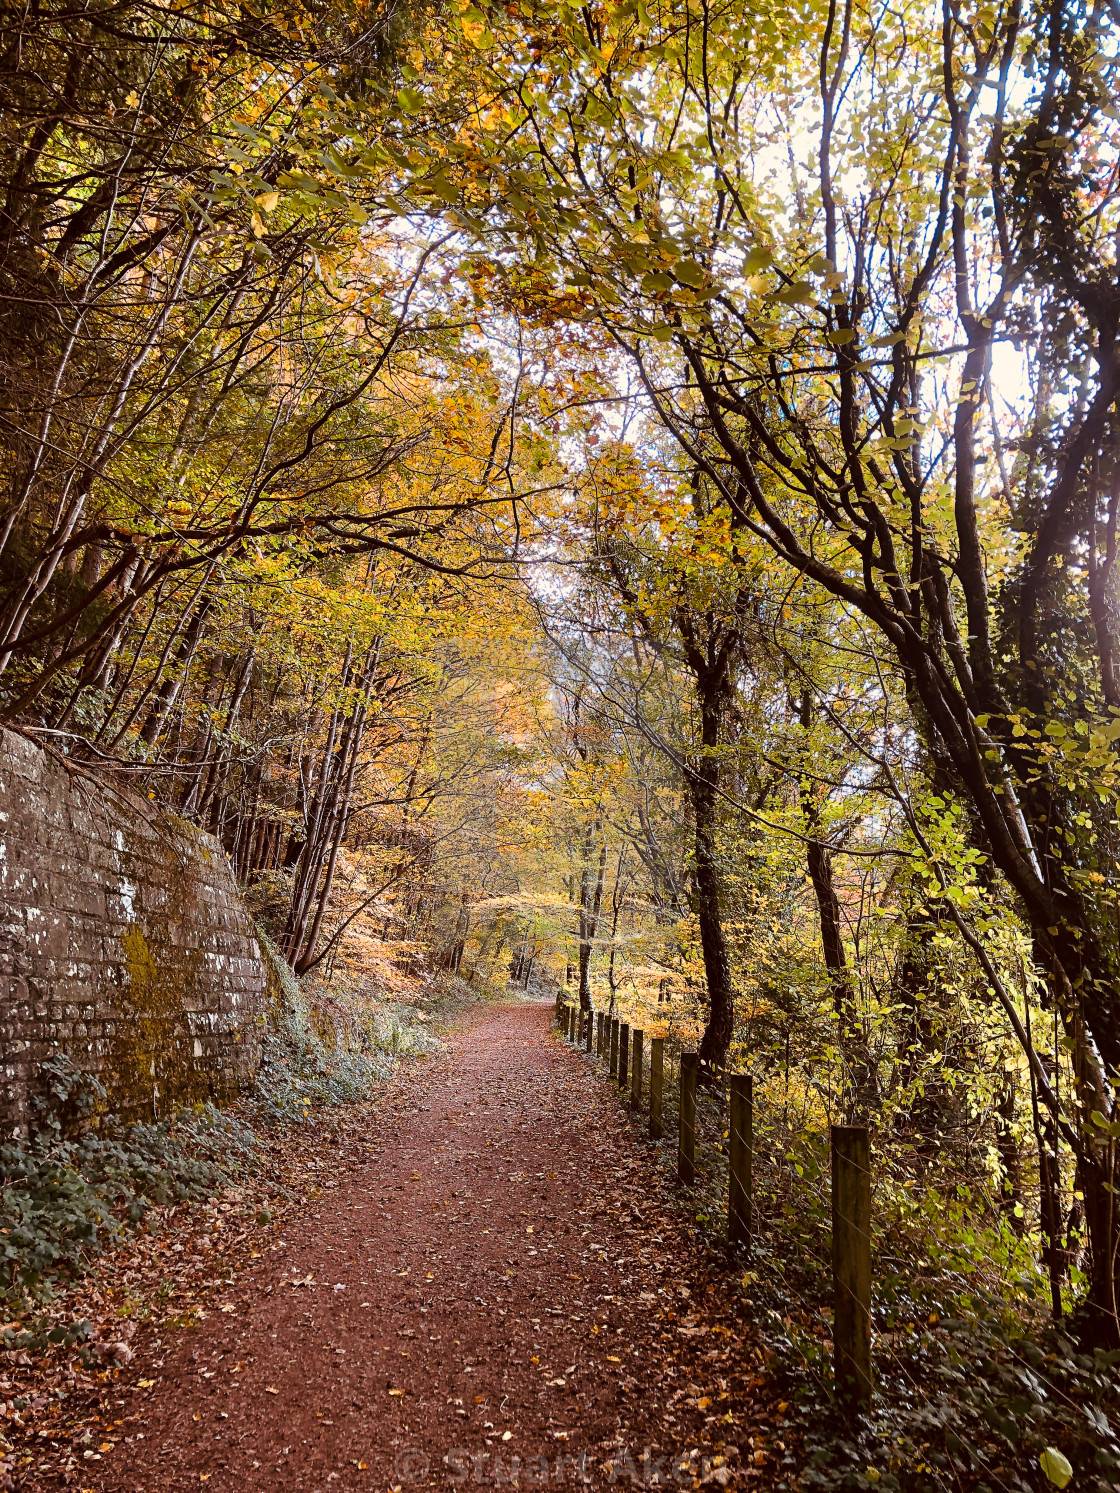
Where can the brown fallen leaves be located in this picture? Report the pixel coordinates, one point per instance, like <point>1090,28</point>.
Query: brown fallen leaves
<point>56,1407</point>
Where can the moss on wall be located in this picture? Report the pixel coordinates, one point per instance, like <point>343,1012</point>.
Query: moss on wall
<point>124,943</point>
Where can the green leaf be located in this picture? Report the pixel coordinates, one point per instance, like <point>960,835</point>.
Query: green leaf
<point>443,188</point>
<point>757,259</point>
<point>690,273</point>
<point>800,293</point>
<point>1056,1467</point>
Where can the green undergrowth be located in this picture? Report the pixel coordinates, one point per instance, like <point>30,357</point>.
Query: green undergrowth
<point>326,1046</point>
<point>976,1387</point>
<point>82,1180</point>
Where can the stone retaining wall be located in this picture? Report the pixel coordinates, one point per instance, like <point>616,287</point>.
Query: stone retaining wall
<point>124,943</point>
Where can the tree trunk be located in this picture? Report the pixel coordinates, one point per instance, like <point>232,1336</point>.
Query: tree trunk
<point>591,903</point>
<point>859,1079</point>
<point>704,785</point>
<point>169,690</point>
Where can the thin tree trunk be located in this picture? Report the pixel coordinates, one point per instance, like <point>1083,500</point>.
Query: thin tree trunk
<point>591,903</point>
<point>704,785</point>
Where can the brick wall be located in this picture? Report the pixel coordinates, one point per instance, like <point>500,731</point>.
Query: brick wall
<point>124,943</point>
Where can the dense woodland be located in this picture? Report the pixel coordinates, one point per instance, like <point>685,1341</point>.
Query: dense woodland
<point>627,495</point>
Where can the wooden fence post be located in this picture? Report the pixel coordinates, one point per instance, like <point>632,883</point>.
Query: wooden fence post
<point>623,1054</point>
<point>637,1042</point>
<point>599,1034</point>
<point>559,1005</point>
<point>851,1265</point>
<point>656,1083</point>
<point>588,1029</point>
<point>686,1147</point>
<point>614,1046</point>
<point>740,1191</point>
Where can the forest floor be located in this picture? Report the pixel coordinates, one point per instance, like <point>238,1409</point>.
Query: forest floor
<point>494,1284</point>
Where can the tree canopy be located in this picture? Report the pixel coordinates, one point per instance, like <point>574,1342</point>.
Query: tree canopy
<point>627,494</point>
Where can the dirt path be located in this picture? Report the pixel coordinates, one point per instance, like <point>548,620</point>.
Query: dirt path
<point>495,1290</point>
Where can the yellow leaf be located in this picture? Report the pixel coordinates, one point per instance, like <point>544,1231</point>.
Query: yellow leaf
<point>267,201</point>
<point>396,1391</point>
<point>1056,1467</point>
<point>145,1383</point>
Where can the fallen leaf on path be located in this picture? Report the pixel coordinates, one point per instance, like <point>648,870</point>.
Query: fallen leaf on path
<point>269,1390</point>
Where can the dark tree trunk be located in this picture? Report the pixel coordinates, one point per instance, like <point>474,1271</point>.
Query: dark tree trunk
<point>860,1078</point>
<point>173,683</point>
<point>705,799</point>
<point>591,903</point>
<point>819,861</point>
